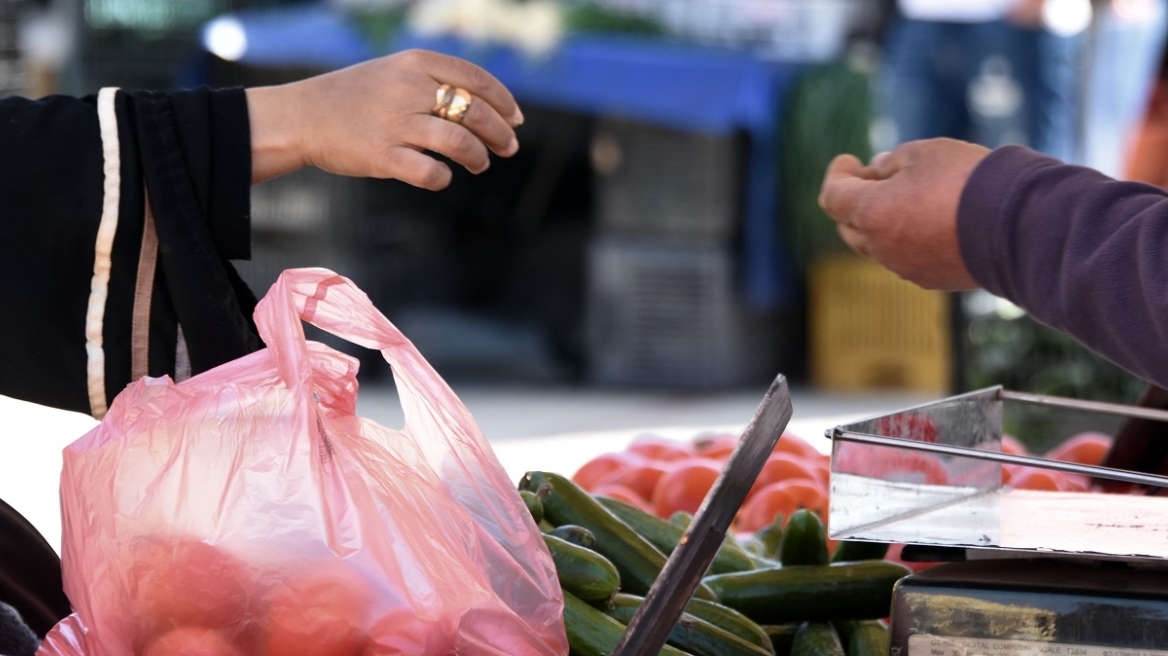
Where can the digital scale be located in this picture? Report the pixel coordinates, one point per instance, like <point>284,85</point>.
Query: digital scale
<point>1030,573</point>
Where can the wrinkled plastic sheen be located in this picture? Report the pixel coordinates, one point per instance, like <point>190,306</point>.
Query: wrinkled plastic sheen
<point>265,460</point>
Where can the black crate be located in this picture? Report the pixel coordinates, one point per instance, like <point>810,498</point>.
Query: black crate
<point>667,314</point>
<point>656,182</point>
<point>10,10</point>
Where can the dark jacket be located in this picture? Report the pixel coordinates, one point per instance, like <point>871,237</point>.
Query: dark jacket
<point>191,151</point>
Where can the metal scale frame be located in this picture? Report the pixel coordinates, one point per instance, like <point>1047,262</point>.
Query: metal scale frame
<point>1029,572</point>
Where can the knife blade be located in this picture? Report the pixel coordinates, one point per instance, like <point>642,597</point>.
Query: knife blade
<point>650,626</point>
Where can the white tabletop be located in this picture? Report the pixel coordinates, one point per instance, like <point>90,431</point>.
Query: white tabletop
<point>529,429</point>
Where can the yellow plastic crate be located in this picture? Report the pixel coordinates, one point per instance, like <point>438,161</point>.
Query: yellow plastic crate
<point>869,329</point>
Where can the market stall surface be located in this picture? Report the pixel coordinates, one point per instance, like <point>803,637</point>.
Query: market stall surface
<point>548,428</point>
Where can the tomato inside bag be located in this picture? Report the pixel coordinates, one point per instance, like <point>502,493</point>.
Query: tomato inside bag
<point>249,510</point>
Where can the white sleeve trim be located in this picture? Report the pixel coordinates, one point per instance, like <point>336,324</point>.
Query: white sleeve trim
<point>103,250</point>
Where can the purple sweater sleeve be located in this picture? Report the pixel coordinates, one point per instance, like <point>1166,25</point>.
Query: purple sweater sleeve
<point>1081,252</point>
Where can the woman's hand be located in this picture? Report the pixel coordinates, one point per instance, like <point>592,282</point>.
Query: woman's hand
<point>375,119</point>
<point>901,210</point>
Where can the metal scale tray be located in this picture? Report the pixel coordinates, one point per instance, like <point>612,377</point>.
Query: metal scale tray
<point>932,475</point>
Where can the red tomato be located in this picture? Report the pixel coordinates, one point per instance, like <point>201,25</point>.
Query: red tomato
<point>320,614</point>
<point>684,487</point>
<point>183,582</point>
<point>653,447</point>
<point>806,493</point>
<point>622,493</point>
<point>783,466</point>
<point>1009,471</point>
<point>823,472</point>
<point>641,479</point>
<point>603,467</point>
<point>918,465</point>
<point>1013,446</point>
<point>1084,448</point>
<point>402,633</point>
<point>891,464</point>
<point>192,641</point>
<point>909,426</point>
<point>1076,482</point>
<point>716,447</point>
<point>763,506</point>
<point>793,444</point>
<point>1032,478</point>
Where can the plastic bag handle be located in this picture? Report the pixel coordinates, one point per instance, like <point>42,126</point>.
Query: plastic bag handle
<point>336,305</point>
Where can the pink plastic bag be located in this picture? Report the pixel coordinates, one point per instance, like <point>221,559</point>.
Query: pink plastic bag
<point>248,510</point>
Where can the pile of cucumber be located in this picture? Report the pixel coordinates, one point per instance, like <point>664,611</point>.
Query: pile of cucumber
<point>777,593</point>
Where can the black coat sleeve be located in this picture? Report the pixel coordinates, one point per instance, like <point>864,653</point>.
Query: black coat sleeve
<point>191,151</point>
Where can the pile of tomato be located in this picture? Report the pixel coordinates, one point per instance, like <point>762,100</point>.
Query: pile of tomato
<point>1089,448</point>
<point>664,476</point>
<point>190,597</point>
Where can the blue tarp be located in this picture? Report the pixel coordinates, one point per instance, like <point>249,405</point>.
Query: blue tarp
<point>673,85</point>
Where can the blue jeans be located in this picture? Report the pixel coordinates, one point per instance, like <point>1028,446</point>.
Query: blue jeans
<point>992,83</point>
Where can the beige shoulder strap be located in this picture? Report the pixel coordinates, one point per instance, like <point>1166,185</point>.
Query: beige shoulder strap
<point>143,293</point>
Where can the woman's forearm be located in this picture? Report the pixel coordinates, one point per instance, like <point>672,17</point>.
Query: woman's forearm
<point>275,139</point>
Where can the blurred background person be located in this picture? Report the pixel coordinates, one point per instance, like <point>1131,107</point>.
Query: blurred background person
<point>990,71</point>
<point>1129,138</point>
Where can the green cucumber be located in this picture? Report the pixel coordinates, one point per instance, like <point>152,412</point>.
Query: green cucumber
<point>864,637</point>
<point>757,550</point>
<point>575,534</point>
<point>782,636</point>
<point>534,505</point>
<point>761,562</point>
<point>752,546</point>
<point>665,536</point>
<point>681,518</point>
<point>545,526</point>
<point>583,572</point>
<point>860,591</point>
<point>691,633</point>
<point>730,620</point>
<point>637,560</point>
<point>845,628</point>
<point>592,633</point>
<point>817,639</point>
<point>852,550</point>
<point>771,538</point>
<point>803,541</point>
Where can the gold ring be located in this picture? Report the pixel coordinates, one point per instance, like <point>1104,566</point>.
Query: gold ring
<point>459,105</point>
<point>454,105</point>
<point>442,100</point>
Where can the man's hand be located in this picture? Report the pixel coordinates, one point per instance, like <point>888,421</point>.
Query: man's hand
<point>901,210</point>
<point>375,120</point>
